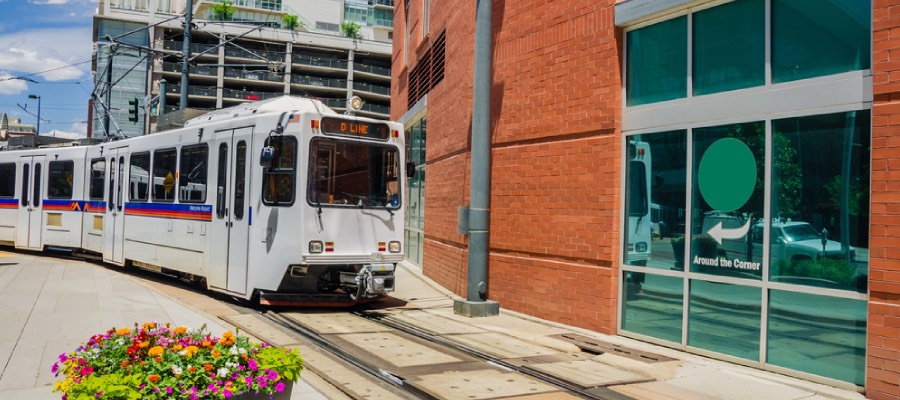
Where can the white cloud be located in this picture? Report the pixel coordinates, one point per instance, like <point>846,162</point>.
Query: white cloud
<point>63,134</point>
<point>29,52</point>
<point>79,128</point>
<point>13,86</point>
<point>52,2</point>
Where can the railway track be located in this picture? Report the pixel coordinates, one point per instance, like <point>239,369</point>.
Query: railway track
<point>416,364</point>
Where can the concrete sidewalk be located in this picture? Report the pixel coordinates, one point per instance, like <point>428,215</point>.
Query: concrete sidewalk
<point>48,306</point>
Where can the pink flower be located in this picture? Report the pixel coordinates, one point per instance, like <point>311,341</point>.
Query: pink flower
<point>279,387</point>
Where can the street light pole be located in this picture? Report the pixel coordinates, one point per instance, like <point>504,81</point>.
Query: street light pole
<point>34,96</point>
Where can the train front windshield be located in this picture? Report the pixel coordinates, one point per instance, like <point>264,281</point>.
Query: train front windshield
<point>353,174</point>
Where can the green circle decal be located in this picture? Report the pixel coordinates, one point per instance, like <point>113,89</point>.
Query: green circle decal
<point>727,174</point>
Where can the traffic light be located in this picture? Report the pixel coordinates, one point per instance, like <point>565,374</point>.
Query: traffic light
<point>133,110</point>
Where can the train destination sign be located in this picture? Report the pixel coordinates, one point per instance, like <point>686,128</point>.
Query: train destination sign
<point>347,127</point>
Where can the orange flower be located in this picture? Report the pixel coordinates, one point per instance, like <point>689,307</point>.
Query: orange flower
<point>123,332</point>
<point>205,343</point>
<point>124,364</point>
<point>149,325</point>
<point>192,350</point>
<point>216,354</point>
<point>191,369</point>
<point>144,345</point>
<point>208,367</point>
<point>155,351</point>
<point>177,347</point>
<point>179,330</point>
<point>153,378</point>
<point>158,359</point>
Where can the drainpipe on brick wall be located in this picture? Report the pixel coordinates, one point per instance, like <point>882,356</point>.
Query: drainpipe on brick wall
<point>478,212</point>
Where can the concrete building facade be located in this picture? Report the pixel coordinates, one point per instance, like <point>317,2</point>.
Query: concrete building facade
<point>714,176</point>
<point>244,52</point>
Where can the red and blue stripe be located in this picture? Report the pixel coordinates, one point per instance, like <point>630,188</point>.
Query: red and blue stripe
<point>6,204</point>
<point>94,206</point>
<point>194,212</point>
<point>63,205</point>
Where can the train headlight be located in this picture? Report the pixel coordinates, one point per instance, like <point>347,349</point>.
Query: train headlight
<point>640,247</point>
<point>394,246</point>
<point>315,246</point>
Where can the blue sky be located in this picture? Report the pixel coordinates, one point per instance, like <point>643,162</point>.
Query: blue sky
<point>48,41</point>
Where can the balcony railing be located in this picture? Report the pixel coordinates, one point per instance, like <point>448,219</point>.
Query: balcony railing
<point>317,81</point>
<point>196,48</point>
<point>195,70</point>
<point>248,94</point>
<point>372,69</point>
<point>209,91</point>
<point>388,3</point>
<point>388,23</point>
<point>372,88</point>
<point>255,54</point>
<point>253,75</point>
<point>376,108</point>
<point>319,61</point>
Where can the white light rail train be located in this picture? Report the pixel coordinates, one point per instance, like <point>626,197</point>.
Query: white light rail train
<point>281,201</point>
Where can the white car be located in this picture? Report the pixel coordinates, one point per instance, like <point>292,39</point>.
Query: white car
<point>796,240</point>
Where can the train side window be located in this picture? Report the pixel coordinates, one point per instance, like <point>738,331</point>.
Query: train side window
<point>279,179</point>
<point>8,180</point>
<point>25,172</point>
<point>59,179</point>
<point>112,182</point>
<point>98,178</point>
<point>222,181</point>
<point>164,162</point>
<point>120,195</point>
<point>192,174</point>
<point>36,198</point>
<point>139,177</point>
<point>240,169</point>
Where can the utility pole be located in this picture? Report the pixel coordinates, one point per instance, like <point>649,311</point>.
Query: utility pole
<point>109,60</point>
<point>33,96</point>
<point>186,54</point>
<point>476,217</point>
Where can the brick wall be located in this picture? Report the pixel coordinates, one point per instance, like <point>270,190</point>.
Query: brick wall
<point>556,103</point>
<point>883,353</point>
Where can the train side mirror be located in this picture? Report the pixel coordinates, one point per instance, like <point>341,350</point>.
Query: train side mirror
<point>266,156</point>
<point>410,169</point>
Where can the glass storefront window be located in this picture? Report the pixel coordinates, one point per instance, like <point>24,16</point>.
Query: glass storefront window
<point>821,335</point>
<point>729,47</point>
<point>415,210</point>
<point>654,308</point>
<point>725,318</point>
<point>820,37</point>
<point>656,179</point>
<point>657,62</point>
<point>819,234</point>
<point>729,179</point>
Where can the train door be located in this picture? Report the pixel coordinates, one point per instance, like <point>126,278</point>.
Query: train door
<point>28,232</point>
<point>231,224</point>
<point>113,228</point>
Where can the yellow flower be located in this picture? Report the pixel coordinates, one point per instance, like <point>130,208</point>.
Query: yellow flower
<point>191,351</point>
<point>216,354</point>
<point>177,347</point>
<point>179,330</point>
<point>123,332</point>
<point>144,345</point>
<point>155,351</point>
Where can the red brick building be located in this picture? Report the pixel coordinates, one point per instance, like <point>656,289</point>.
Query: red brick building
<point>760,129</point>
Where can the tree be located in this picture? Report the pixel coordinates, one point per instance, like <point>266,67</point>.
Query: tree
<point>291,21</point>
<point>351,29</point>
<point>224,10</point>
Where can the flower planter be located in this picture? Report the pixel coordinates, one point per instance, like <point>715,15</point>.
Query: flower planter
<point>160,363</point>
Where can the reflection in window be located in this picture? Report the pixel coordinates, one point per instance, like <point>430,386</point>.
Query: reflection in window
<point>725,318</point>
<point>139,176</point>
<point>164,175</point>
<point>97,179</point>
<point>728,178</point>
<point>818,334</point>
<point>59,181</point>
<point>655,199</point>
<point>354,173</point>
<point>192,174</point>
<point>819,37</point>
<point>729,47</point>
<point>279,179</point>
<point>657,62</point>
<point>655,308</point>
<point>820,210</point>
